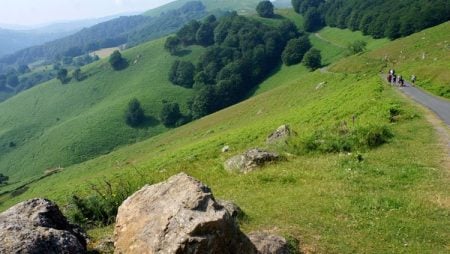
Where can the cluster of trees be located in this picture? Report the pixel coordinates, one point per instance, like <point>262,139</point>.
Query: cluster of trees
<point>239,53</point>
<point>170,114</point>
<point>379,18</point>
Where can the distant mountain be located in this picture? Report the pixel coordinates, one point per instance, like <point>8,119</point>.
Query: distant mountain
<point>131,30</point>
<point>15,37</point>
<point>12,41</point>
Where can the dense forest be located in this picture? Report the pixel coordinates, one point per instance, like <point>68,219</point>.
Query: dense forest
<point>240,52</point>
<point>379,18</point>
<point>131,30</point>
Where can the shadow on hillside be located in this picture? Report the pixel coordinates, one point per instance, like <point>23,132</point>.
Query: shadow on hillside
<point>183,52</point>
<point>253,91</point>
<point>277,16</point>
<point>149,121</point>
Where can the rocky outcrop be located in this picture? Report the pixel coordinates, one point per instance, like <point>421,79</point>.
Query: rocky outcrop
<point>250,160</point>
<point>177,216</point>
<point>269,244</point>
<point>38,226</point>
<point>281,134</point>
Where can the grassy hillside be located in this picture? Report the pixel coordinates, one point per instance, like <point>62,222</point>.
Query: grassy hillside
<point>386,199</point>
<point>241,6</point>
<point>425,54</point>
<point>55,125</point>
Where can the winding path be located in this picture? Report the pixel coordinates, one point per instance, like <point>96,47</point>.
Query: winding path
<point>438,105</point>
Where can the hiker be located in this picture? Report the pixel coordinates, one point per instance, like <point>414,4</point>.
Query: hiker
<point>389,78</point>
<point>394,79</point>
<point>400,80</point>
<point>413,78</point>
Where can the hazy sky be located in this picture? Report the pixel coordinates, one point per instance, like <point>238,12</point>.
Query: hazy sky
<point>33,12</point>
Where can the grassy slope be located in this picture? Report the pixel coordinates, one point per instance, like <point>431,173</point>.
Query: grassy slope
<point>396,201</point>
<point>57,125</point>
<point>425,54</point>
<point>242,6</point>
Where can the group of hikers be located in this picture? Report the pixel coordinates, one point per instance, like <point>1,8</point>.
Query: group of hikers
<point>394,79</point>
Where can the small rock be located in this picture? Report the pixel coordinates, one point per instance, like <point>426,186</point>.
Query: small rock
<point>38,226</point>
<point>280,134</point>
<point>250,160</point>
<point>179,216</point>
<point>225,149</point>
<point>321,85</point>
<point>269,244</point>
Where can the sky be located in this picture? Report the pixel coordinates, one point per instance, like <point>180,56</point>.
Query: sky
<point>38,12</point>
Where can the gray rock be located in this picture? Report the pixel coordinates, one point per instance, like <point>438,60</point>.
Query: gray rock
<point>38,226</point>
<point>269,244</point>
<point>177,216</point>
<point>233,209</point>
<point>281,134</point>
<point>250,160</point>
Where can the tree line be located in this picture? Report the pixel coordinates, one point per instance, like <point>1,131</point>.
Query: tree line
<point>378,18</point>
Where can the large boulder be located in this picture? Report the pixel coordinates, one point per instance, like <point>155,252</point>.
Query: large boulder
<point>269,244</point>
<point>250,160</point>
<point>177,216</point>
<point>38,226</point>
<point>281,134</point>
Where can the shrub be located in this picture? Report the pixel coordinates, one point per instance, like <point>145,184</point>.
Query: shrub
<point>62,76</point>
<point>265,9</point>
<point>78,75</point>
<point>172,45</point>
<point>295,50</point>
<point>170,114</point>
<point>339,140</point>
<point>100,207</point>
<point>356,47</point>
<point>312,59</point>
<point>134,114</point>
<point>117,61</point>
<point>3,179</point>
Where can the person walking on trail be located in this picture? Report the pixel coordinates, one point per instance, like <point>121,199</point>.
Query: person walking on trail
<point>394,79</point>
<point>401,81</point>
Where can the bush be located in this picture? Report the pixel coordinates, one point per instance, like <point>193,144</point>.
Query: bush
<point>312,59</point>
<point>100,207</point>
<point>78,75</point>
<point>134,115</point>
<point>170,114</point>
<point>295,50</point>
<point>3,179</point>
<point>62,76</point>
<point>343,139</point>
<point>265,9</point>
<point>172,45</point>
<point>356,47</point>
<point>116,61</point>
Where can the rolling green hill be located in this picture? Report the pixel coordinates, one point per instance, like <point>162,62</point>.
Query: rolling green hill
<point>371,197</point>
<point>243,7</point>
